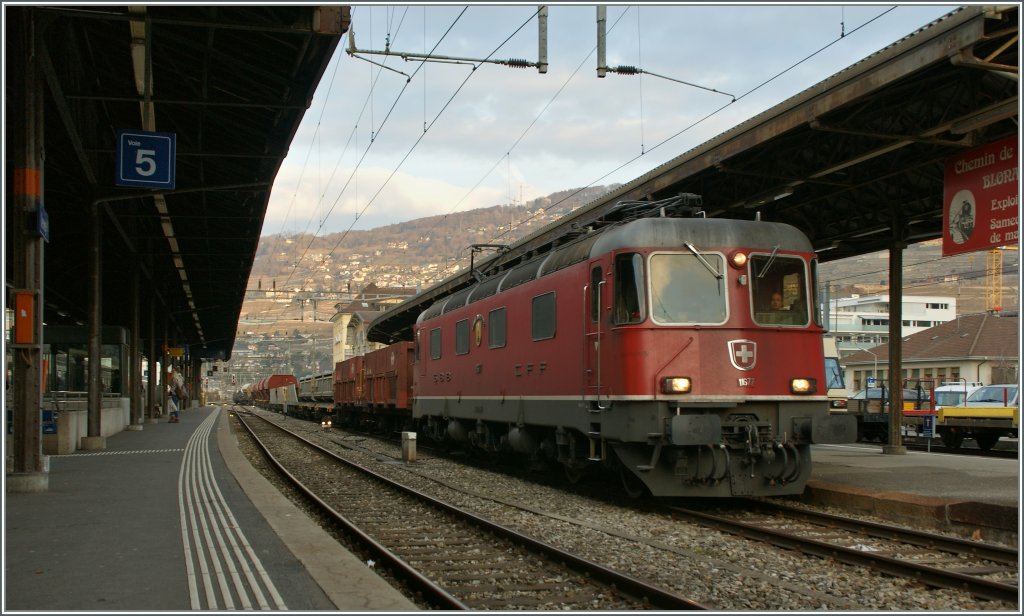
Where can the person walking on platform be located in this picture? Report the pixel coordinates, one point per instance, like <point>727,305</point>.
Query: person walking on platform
<point>172,405</point>
<point>178,396</point>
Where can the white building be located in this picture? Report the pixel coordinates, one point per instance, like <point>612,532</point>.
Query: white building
<point>860,322</point>
<point>980,348</point>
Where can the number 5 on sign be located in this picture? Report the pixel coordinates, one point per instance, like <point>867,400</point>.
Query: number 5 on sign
<point>145,159</point>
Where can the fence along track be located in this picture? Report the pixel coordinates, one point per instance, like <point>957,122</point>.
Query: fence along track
<point>476,563</point>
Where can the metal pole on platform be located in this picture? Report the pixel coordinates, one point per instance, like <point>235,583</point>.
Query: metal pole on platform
<point>896,340</point>
<point>152,382</point>
<point>93,439</point>
<point>26,139</point>
<point>135,350</point>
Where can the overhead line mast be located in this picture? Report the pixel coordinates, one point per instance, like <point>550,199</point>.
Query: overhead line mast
<point>542,52</point>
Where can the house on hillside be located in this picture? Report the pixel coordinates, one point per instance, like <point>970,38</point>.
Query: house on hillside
<point>351,320</point>
<point>976,347</point>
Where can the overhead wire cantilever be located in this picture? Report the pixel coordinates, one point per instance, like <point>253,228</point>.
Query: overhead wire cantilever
<point>542,53</point>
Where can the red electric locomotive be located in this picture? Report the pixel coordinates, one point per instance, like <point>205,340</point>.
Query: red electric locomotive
<point>685,353</point>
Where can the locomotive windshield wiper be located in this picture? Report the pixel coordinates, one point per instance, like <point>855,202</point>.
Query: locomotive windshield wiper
<point>771,259</point>
<point>711,269</point>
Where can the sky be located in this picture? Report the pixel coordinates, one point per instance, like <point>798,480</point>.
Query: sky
<point>386,140</point>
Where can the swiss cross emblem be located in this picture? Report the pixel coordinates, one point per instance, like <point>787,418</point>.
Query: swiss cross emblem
<point>743,354</point>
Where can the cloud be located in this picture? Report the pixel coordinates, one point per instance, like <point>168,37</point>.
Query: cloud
<point>371,201</point>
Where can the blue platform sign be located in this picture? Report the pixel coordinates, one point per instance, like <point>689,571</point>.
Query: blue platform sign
<point>43,223</point>
<point>145,159</point>
<point>928,426</point>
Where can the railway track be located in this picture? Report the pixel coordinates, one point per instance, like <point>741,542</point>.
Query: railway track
<point>986,571</point>
<point>913,444</point>
<point>453,558</point>
<point>718,570</point>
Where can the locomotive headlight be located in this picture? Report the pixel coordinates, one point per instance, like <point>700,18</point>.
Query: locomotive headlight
<point>738,259</point>
<point>676,385</point>
<point>803,386</point>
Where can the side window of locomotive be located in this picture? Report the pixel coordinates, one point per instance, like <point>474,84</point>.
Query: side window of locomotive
<point>813,286</point>
<point>687,289</point>
<point>462,337</point>
<point>596,279</point>
<point>496,328</point>
<point>544,316</point>
<point>629,298</point>
<point>435,343</point>
<point>779,290</point>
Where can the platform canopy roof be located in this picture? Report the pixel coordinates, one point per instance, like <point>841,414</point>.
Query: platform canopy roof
<point>231,83</point>
<point>856,161</point>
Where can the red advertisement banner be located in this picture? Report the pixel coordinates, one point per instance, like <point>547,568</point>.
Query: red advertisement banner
<point>980,198</point>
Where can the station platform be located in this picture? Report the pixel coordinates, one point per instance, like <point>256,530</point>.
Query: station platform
<point>973,496</point>
<point>174,518</point>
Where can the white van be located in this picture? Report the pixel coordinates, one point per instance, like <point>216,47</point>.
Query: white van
<point>952,393</point>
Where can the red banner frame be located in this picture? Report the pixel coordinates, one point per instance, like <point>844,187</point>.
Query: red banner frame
<point>981,191</point>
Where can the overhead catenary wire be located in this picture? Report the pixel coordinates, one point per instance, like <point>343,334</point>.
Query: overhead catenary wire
<point>555,207</point>
<point>723,107</point>
<point>414,145</point>
<point>367,104</point>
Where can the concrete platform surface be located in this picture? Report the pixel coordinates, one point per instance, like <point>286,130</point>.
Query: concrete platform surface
<point>971,495</point>
<point>170,519</point>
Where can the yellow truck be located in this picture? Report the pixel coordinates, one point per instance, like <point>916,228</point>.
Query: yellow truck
<point>991,412</point>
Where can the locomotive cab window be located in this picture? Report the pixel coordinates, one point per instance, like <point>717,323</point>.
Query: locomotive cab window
<point>688,288</point>
<point>629,285</point>
<point>779,290</point>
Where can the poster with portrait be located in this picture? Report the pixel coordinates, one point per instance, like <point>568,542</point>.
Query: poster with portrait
<point>980,195</point>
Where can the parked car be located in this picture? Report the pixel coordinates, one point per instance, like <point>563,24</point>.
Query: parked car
<point>993,395</point>
<point>870,400</point>
<point>954,394</point>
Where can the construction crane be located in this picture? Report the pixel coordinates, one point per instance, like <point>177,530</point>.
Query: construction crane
<point>994,278</point>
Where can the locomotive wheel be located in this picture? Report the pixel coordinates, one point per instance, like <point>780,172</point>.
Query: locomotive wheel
<point>986,441</point>
<point>633,487</point>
